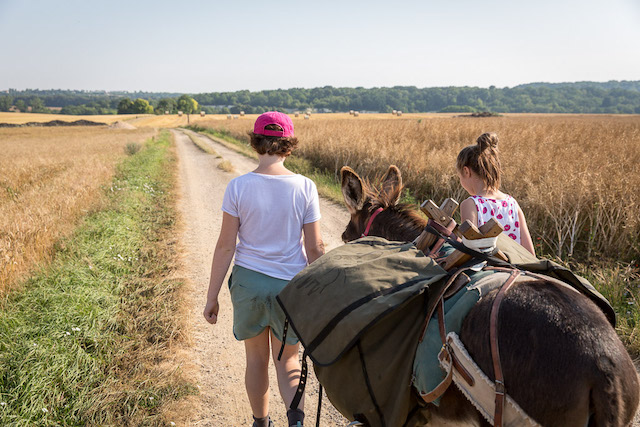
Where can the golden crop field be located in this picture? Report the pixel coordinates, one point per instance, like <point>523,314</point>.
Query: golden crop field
<point>19,118</point>
<point>576,177</point>
<point>49,178</point>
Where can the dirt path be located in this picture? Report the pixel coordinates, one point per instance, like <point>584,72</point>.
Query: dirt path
<point>217,360</point>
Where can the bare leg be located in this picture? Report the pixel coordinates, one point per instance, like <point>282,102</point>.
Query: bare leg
<point>256,377</point>
<point>287,369</point>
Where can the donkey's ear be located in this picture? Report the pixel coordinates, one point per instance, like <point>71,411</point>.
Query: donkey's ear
<point>352,189</point>
<point>392,185</point>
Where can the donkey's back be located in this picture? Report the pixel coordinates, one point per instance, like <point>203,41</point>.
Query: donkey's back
<point>562,361</point>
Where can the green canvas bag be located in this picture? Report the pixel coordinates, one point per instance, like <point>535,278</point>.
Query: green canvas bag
<point>359,312</point>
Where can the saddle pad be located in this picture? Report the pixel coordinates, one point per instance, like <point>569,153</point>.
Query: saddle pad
<point>482,394</point>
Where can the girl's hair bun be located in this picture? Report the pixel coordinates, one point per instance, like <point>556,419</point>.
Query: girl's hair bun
<point>487,140</point>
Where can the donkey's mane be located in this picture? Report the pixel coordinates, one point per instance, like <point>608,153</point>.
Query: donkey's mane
<point>407,216</point>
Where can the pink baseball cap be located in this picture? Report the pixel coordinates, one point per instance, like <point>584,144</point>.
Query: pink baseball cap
<point>274,118</point>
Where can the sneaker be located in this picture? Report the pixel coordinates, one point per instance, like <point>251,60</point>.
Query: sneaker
<point>255,423</point>
<point>296,417</point>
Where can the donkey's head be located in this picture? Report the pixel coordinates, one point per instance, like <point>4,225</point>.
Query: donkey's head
<point>378,209</point>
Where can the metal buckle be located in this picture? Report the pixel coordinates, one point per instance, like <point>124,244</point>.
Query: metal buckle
<point>445,353</point>
<point>500,388</point>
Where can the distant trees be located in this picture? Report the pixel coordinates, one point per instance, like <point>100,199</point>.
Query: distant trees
<point>37,105</point>
<point>166,104</point>
<point>139,106</point>
<point>6,101</point>
<point>187,105</point>
<point>21,105</point>
<point>125,106</point>
<point>583,97</point>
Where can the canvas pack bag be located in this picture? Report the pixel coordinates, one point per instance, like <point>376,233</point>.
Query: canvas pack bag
<point>359,312</point>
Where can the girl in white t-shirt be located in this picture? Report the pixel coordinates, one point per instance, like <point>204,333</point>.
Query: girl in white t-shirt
<point>273,214</point>
<point>479,171</point>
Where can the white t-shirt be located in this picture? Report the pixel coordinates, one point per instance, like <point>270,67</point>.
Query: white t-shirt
<point>272,210</point>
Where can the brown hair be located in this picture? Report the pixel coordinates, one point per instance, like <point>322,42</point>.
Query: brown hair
<point>273,145</point>
<point>482,158</point>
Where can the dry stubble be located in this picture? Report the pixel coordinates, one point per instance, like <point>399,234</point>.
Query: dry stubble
<point>49,179</point>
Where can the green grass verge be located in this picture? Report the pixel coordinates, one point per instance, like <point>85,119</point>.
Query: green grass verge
<point>81,341</point>
<point>620,284</point>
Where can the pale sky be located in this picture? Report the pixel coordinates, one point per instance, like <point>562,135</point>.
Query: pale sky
<point>212,46</point>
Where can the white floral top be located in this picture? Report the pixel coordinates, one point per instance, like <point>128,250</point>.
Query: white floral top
<point>505,211</point>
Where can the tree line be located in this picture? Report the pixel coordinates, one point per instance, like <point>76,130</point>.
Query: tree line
<point>614,97</point>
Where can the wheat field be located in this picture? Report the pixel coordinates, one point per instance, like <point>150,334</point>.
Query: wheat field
<point>576,176</point>
<point>19,118</point>
<point>49,179</point>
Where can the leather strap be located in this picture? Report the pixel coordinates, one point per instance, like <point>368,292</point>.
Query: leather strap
<point>438,297</point>
<point>443,231</point>
<point>446,382</point>
<point>495,351</point>
<point>447,353</point>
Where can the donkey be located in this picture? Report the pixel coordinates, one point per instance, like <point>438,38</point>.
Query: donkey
<point>562,360</point>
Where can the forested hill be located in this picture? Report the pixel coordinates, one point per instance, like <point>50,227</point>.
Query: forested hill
<point>613,84</point>
<point>583,97</point>
<point>613,97</point>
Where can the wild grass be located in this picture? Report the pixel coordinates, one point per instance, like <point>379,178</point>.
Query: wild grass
<point>132,148</point>
<point>205,148</point>
<point>85,341</point>
<point>576,178</point>
<point>50,179</point>
<point>19,118</point>
<point>226,165</point>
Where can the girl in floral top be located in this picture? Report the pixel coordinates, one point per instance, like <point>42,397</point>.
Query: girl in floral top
<point>479,172</point>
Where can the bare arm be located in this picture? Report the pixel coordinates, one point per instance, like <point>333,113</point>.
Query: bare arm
<point>313,244</point>
<point>225,248</point>
<point>525,237</point>
<point>468,211</point>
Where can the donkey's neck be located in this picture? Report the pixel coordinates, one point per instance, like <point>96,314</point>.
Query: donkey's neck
<point>398,224</point>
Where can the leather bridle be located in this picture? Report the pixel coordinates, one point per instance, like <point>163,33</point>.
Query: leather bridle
<point>371,218</point>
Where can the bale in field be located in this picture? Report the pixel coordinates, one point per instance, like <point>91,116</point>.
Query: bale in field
<point>356,113</point>
<point>202,113</point>
<point>399,113</point>
<point>297,114</point>
<point>179,113</point>
<point>228,116</point>
<point>307,117</point>
<point>394,112</point>
<point>241,113</point>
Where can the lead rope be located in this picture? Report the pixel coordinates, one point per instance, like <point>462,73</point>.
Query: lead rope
<point>302,384</point>
<point>284,336</point>
<point>319,405</point>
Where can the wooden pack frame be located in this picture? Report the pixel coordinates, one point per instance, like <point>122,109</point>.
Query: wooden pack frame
<point>443,217</point>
